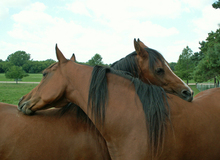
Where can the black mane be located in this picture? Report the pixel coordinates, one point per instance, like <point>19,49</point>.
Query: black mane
<point>153,98</point>
<point>130,64</point>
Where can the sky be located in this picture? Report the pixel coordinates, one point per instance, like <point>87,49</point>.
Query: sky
<point>87,27</point>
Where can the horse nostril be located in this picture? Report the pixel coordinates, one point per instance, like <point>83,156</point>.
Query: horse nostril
<point>186,93</point>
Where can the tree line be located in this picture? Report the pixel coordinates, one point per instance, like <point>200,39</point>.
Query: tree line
<point>203,65</point>
<point>19,65</point>
<point>200,66</point>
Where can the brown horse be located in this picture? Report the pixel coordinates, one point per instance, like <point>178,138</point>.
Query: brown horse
<point>118,106</point>
<point>151,67</point>
<point>49,135</point>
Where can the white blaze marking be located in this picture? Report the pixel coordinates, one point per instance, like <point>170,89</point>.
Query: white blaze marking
<point>179,78</point>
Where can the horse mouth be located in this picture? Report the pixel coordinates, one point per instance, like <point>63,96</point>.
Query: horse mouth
<point>185,96</point>
<point>23,108</point>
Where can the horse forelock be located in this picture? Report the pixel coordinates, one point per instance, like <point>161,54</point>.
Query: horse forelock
<point>52,65</point>
<point>154,58</point>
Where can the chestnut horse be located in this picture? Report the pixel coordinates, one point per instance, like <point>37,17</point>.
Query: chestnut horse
<point>131,64</point>
<point>49,135</point>
<point>133,118</point>
<point>152,68</point>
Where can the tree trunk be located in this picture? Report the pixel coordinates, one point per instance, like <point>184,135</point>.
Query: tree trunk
<point>215,85</point>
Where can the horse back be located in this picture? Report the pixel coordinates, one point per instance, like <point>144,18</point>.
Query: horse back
<point>47,135</point>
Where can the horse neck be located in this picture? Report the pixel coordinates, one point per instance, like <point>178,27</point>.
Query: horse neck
<point>79,82</point>
<point>122,106</point>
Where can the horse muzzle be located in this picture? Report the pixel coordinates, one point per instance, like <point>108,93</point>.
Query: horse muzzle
<point>187,95</point>
<point>23,107</point>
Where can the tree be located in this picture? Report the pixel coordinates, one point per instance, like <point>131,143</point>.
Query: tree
<point>197,57</point>
<point>37,66</point>
<point>5,66</point>
<point>184,66</point>
<point>209,66</point>
<point>19,58</point>
<point>16,73</point>
<point>216,5</point>
<point>172,65</point>
<point>95,60</point>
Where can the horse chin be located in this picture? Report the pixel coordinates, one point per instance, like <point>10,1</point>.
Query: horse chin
<point>189,99</point>
<point>186,98</point>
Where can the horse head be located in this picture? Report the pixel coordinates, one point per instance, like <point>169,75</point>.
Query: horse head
<point>154,69</point>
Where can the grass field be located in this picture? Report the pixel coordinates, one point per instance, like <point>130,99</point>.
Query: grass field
<point>12,92</point>
<point>196,91</point>
<point>30,78</point>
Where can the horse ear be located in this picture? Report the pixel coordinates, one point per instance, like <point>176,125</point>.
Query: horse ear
<point>139,48</point>
<point>142,44</point>
<point>73,58</point>
<point>60,55</point>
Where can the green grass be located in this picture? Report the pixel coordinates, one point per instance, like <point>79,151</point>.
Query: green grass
<point>196,91</point>
<point>209,81</point>
<point>30,78</point>
<point>11,92</point>
<point>33,78</point>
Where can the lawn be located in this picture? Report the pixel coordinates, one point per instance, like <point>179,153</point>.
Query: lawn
<point>196,91</point>
<point>11,92</point>
<point>30,78</point>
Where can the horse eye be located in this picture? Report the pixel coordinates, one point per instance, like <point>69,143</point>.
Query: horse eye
<point>159,71</point>
<point>44,74</point>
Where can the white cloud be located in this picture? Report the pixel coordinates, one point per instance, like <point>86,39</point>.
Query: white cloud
<point>4,12</point>
<point>116,24</point>
<point>14,3</point>
<point>208,22</point>
<point>116,10</point>
<point>5,6</point>
<point>79,8</point>
<point>39,30</point>
<point>197,3</point>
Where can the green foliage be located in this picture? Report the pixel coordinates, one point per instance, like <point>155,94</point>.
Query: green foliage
<point>5,66</point>
<point>18,58</point>
<point>95,60</point>
<point>216,5</point>
<point>184,66</point>
<point>16,73</point>
<point>209,66</point>
<point>37,66</point>
<point>172,65</point>
<point>197,57</point>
